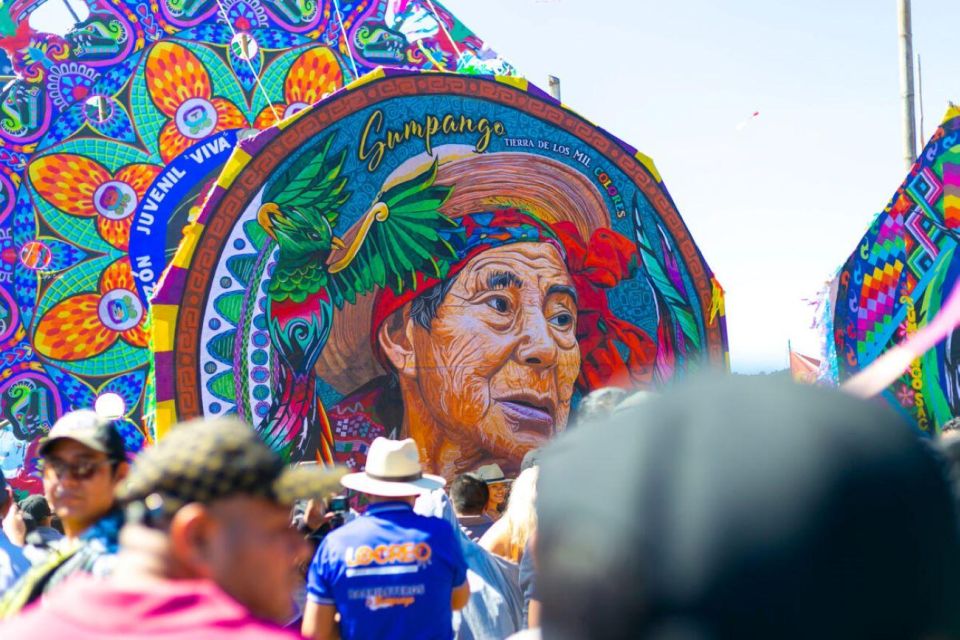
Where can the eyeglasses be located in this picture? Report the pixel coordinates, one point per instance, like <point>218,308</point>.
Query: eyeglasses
<point>82,470</point>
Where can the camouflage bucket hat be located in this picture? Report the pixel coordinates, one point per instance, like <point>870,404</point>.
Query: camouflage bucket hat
<point>207,460</point>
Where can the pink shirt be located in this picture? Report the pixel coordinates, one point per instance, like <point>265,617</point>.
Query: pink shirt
<point>86,608</point>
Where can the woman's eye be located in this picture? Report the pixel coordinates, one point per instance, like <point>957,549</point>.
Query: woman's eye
<point>562,320</point>
<point>499,304</point>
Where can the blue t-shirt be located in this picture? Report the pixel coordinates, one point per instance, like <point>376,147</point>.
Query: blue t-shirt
<point>390,574</point>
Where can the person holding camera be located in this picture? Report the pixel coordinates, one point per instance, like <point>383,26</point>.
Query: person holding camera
<point>317,517</point>
<point>390,573</point>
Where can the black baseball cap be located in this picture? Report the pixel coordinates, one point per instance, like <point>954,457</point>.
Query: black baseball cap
<point>207,460</point>
<point>35,507</point>
<point>89,429</point>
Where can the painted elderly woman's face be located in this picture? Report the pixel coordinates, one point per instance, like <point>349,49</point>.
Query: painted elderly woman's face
<point>497,365</point>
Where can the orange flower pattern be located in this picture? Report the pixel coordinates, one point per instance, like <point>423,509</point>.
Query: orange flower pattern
<point>181,89</point>
<point>87,324</point>
<point>315,75</point>
<point>82,187</point>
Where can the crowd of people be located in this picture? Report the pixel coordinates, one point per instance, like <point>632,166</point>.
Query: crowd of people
<point>721,508</point>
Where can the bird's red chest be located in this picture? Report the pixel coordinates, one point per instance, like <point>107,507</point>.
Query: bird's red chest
<point>309,308</point>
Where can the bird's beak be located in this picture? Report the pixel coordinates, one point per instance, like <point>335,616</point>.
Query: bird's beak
<point>265,220</point>
<point>337,243</point>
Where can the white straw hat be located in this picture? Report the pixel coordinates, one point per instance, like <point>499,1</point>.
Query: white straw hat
<point>490,473</point>
<point>393,470</point>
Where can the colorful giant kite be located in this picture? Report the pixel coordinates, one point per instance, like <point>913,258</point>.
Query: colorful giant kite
<point>898,278</point>
<point>452,258</point>
<point>109,140</point>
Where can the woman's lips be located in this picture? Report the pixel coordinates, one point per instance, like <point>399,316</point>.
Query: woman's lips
<point>526,417</point>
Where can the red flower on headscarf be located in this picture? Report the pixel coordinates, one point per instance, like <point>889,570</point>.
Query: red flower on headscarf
<point>613,351</point>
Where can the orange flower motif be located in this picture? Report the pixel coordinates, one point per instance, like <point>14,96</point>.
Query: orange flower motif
<point>82,187</point>
<point>313,76</point>
<point>87,324</point>
<point>181,89</point>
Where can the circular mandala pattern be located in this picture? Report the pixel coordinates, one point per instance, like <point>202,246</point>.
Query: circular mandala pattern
<point>117,136</point>
<point>659,317</point>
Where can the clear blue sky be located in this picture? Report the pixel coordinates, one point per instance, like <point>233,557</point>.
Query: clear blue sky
<point>777,205</point>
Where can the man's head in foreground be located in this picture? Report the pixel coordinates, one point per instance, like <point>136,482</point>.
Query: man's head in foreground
<point>83,462</point>
<point>469,495</point>
<point>211,501</point>
<point>742,508</point>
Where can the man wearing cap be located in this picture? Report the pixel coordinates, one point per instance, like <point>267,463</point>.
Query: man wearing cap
<point>207,550</point>
<point>83,462</point>
<point>390,573</point>
<point>41,536</point>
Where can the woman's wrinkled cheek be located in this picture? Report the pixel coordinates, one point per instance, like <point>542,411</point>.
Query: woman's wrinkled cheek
<point>568,368</point>
<point>461,361</point>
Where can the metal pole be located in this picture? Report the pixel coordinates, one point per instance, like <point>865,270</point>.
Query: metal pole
<point>923,137</point>
<point>553,83</point>
<point>906,84</point>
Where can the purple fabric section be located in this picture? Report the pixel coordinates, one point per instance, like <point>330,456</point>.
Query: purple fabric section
<point>165,383</point>
<point>253,145</point>
<point>172,286</point>
<point>216,195</point>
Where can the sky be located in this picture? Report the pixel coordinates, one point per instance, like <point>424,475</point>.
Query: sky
<point>778,201</point>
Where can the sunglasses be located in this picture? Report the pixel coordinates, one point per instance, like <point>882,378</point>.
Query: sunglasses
<point>82,470</point>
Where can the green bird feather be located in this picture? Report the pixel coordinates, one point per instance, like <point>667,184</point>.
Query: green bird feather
<point>406,245</point>
<point>301,207</point>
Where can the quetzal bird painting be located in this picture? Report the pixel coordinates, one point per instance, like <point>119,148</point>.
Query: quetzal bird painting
<point>400,237</point>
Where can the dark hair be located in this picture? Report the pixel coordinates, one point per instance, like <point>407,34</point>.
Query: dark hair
<point>389,405</point>
<point>4,496</point>
<point>953,424</point>
<point>423,308</point>
<point>469,494</point>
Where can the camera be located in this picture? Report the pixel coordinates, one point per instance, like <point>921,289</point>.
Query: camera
<point>338,506</point>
